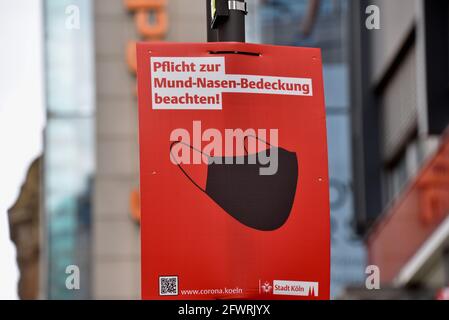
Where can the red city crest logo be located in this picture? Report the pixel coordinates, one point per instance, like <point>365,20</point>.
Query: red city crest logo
<point>266,287</point>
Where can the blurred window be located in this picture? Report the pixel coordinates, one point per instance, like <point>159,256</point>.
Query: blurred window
<point>69,145</point>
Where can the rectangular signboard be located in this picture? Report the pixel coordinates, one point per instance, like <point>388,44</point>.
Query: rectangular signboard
<point>233,169</point>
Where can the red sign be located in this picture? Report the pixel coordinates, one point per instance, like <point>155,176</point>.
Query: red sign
<point>233,165</point>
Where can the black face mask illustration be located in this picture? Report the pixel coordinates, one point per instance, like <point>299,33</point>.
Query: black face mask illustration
<point>262,202</point>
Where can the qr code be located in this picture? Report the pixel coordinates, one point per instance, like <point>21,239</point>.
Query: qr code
<point>168,286</point>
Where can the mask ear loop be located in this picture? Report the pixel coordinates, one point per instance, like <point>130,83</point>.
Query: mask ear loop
<point>245,140</point>
<point>179,165</point>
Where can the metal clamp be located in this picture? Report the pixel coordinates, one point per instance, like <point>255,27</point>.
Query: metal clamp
<point>238,5</point>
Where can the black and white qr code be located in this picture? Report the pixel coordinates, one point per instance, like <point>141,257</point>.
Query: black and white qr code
<point>168,286</point>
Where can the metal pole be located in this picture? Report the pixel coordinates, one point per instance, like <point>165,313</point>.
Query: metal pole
<point>212,34</point>
<point>226,20</point>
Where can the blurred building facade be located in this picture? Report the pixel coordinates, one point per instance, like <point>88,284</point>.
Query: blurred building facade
<point>400,103</point>
<point>90,173</point>
<point>91,168</point>
<point>68,159</point>
<point>24,226</point>
<point>323,24</point>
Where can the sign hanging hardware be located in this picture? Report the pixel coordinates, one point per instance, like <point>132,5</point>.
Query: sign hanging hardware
<point>220,10</point>
<point>238,5</point>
